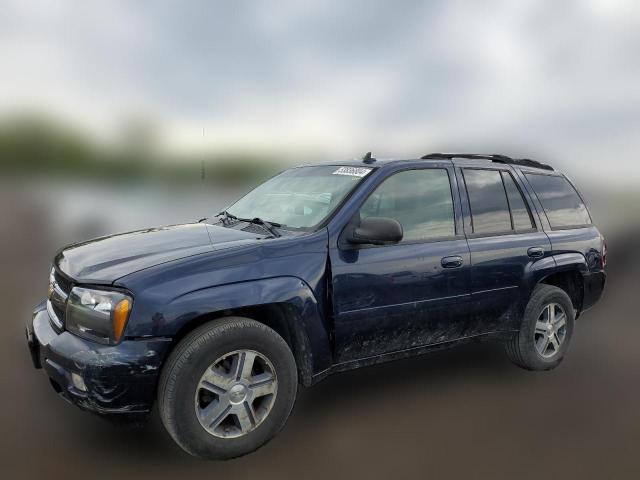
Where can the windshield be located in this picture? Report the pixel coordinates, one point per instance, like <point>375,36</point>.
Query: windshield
<point>301,197</point>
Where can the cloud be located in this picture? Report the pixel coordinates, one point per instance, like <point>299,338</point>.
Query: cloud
<point>558,79</point>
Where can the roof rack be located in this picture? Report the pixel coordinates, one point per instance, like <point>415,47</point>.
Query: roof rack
<point>524,162</point>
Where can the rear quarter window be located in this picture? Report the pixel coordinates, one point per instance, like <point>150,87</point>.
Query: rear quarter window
<point>561,203</point>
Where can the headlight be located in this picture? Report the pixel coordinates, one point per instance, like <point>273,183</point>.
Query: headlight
<point>98,315</point>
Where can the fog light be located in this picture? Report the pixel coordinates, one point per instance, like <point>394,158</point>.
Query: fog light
<point>78,382</point>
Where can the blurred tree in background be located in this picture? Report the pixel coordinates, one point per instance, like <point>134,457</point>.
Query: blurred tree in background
<point>34,145</point>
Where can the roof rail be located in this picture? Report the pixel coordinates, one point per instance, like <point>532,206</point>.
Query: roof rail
<point>524,162</point>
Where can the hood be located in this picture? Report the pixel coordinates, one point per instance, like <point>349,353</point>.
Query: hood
<point>104,260</point>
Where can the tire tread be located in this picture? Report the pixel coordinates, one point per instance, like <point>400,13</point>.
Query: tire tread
<point>516,347</point>
<point>191,343</point>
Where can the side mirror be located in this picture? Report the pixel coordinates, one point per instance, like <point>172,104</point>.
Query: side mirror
<point>377,231</point>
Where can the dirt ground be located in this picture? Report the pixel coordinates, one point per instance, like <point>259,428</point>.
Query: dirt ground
<point>464,413</point>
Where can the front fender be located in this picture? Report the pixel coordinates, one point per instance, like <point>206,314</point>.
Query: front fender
<point>291,291</point>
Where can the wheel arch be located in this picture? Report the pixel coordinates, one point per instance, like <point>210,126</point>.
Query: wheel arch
<point>570,279</point>
<point>278,316</point>
<point>285,304</point>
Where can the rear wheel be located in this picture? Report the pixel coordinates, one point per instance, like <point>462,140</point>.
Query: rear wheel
<point>227,388</point>
<point>546,330</point>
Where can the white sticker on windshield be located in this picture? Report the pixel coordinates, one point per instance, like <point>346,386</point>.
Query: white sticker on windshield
<point>352,171</point>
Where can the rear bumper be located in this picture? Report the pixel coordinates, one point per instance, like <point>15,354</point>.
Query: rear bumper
<point>117,379</point>
<point>594,283</point>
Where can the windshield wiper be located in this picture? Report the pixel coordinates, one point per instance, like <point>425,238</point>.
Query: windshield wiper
<point>226,216</point>
<point>269,226</point>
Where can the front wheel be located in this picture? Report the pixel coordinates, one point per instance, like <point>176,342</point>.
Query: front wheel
<point>545,332</point>
<point>227,388</point>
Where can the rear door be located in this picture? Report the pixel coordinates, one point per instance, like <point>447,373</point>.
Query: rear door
<point>394,297</point>
<point>505,241</point>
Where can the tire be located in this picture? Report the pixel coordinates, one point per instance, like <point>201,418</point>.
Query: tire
<point>526,346</point>
<point>183,401</point>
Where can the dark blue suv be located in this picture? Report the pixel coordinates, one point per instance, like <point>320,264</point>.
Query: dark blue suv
<point>320,269</point>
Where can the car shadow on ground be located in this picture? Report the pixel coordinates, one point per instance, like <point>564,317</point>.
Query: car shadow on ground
<point>335,399</point>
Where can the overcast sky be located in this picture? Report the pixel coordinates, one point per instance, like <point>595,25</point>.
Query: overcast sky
<point>556,79</point>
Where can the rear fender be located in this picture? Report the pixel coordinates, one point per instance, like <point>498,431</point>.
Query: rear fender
<point>541,269</point>
<point>571,261</point>
<point>593,277</point>
<point>534,272</point>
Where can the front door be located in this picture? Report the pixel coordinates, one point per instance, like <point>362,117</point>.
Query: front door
<point>414,293</point>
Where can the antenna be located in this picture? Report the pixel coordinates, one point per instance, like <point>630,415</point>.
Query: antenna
<point>368,158</point>
<point>202,166</point>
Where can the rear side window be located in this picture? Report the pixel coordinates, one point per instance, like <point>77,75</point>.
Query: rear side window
<point>419,199</point>
<point>520,213</point>
<point>561,202</point>
<point>488,201</point>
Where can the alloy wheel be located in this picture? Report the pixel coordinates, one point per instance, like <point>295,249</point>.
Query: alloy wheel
<point>236,393</point>
<point>550,330</point>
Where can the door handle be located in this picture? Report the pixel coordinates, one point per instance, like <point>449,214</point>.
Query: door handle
<point>535,252</point>
<point>451,262</point>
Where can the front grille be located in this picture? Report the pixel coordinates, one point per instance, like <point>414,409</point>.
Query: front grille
<point>59,288</point>
<point>59,311</point>
<point>54,319</point>
<point>65,284</point>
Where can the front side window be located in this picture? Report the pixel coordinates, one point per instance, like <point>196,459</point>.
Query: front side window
<point>562,204</point>
<point>488,201</point>
<point>419,199</point>
<point>301,197</point>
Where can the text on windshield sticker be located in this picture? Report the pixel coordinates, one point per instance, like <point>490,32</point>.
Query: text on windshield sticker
<point>352,171</point>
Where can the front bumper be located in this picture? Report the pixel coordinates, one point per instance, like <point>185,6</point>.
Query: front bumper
<point>117,379</point>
